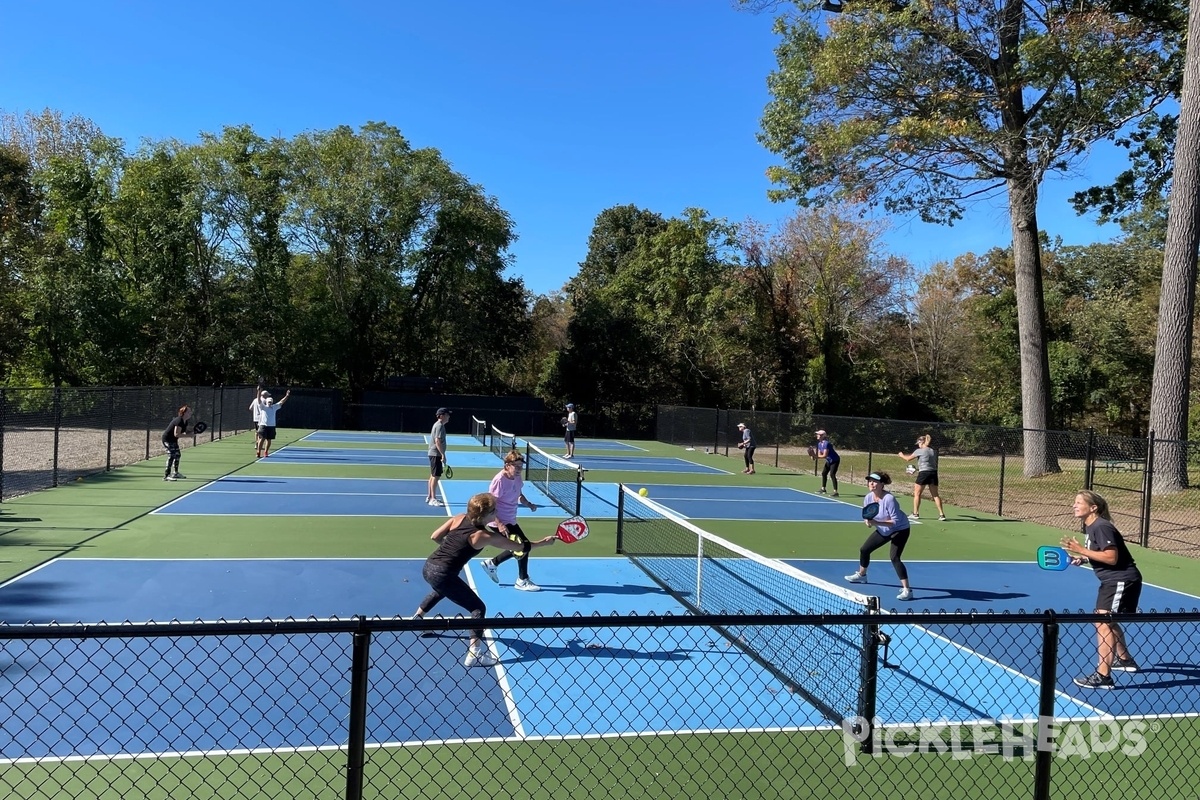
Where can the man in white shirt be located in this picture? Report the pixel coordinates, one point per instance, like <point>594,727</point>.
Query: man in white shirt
<point>267,409</point>
<point>260,394</point>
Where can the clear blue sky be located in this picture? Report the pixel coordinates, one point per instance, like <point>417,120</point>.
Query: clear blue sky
<point>559,108</point>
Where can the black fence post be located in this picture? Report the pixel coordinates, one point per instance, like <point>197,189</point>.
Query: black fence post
<point>1090,465</point>
<point>57,404</point>
<point>1147,486</point>
<point>149,419</point>
<point>3,412</point>
<point>716,430</point>
<point>356,739</point>
<point>1000,496</point>
<point>1046,693</point>
<point>112,413</point>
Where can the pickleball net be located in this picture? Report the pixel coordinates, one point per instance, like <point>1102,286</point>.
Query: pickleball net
<point>831,664</point>
<point>479,430</point>
<point>502,442</point>
<point>561,480</point>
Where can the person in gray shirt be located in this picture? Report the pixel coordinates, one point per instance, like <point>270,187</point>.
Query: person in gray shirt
<point>927,475</point>
<point>437,454</point>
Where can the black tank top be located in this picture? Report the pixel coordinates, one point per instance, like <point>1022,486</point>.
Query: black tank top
<point>454,549</point>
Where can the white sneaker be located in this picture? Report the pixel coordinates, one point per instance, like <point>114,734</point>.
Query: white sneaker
<point>479,658</point>
<point>526,585</point>
<point>857,577</point>
<point>914,516</point>
<point>905,594</point>
<point>435,503</point>
<point>171,478</point>
<point>490,569</point>
<point>942,518</point>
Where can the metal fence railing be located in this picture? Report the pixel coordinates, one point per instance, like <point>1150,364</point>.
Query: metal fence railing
<point>49,437</point>
<point>981,467</point>
<point>597,707</point>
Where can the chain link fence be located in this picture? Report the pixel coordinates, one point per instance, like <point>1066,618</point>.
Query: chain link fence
<point>980,467</point>
<point>49,437</point>
<point>966,705</point>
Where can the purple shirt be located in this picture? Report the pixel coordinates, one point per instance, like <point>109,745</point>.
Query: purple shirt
<point>507,492</point>
<point>888,509</point>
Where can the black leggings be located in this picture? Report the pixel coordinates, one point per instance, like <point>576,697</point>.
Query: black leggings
<point>750,457</point>
<point>173,453</point>
<point>517,535</point>
<point>876,541</point>
<point>830,472</point>
<point>457,591</point>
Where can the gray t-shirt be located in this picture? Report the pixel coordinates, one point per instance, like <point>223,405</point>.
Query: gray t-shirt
<point>436,436</point>
<point>926,459</point>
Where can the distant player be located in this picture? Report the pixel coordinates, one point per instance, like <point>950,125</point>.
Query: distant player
<point>570,425</point>
<point>267,409</point>
<point>437,455</point>
<point>747,446</point>
<point>260,394</point>
<point>826,451</point>
<point>927,475</point>
<point>176,428</point>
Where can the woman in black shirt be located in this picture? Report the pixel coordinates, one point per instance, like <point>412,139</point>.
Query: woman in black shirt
<point>461,538</point>
<point>170,441</point>
<point>1120,585</point>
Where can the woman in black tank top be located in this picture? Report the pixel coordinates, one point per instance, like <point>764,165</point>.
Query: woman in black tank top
<point>461,538</point>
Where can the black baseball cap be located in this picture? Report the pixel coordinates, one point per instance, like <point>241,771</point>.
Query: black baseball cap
<point>441,411</point>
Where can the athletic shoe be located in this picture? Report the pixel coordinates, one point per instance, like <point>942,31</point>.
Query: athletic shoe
<point>479,658</point>
<point>490,569</point>
<point>1095,681</point>
<point>905,594</point>
<point>820,491</point>
<point>166,477</point>
<point>436,503</point>
<point>171,478</point>
<point>526,585</point>
<point>914,516</point>
<point>1125,665</point>
<point>941,518</point>
<point>857,577</point>
<point>179,477</point>
<point>835,494</point>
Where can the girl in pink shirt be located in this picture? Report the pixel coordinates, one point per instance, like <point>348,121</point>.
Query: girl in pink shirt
<point>507,487</point>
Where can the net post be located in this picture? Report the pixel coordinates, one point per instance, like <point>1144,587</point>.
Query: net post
<point>620,517</point>
<point>870,676</point>
<point>579,492</point>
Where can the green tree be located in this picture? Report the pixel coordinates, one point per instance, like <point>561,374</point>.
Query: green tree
<point>19,214</point>
<point>921,107</point>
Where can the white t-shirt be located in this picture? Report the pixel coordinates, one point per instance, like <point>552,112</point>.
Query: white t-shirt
<point>256,411</point>
<point>267,414</point>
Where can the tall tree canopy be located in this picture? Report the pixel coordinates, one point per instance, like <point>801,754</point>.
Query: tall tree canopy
<point>921,107</point>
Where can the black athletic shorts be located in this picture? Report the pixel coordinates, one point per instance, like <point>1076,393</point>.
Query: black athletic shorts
<point>1119,597</point>
<point>927,478</point>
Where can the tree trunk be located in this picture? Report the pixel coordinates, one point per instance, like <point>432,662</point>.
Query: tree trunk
<point>1031,324</point>
<point>1170,391</point>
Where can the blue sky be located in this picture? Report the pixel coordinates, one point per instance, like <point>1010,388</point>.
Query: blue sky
<point>558,108</point>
